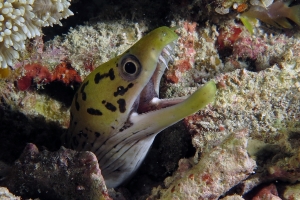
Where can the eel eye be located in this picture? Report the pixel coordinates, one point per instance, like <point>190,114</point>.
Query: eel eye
<point>130,67</point>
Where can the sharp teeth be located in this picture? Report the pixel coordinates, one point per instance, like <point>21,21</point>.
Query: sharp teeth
<point>166,54</point>
<point>168,47</point>
<point>165,51</point>
<point>162,59</point>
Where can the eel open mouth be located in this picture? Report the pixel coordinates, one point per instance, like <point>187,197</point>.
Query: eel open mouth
<point>148,100</point>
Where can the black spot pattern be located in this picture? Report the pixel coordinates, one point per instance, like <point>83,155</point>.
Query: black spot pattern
<point>93,111</point>
<point>109,106</point>
<point>97,134</point>
<point>99,77</point>
<point>121,90</point>
<point>83,94</point>
<point>125,126</point>
<point>80,134</point>
<point>77,106</point>
<point>122,105</point>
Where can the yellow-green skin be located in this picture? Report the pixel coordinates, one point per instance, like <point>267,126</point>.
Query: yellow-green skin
<point>104,117</point>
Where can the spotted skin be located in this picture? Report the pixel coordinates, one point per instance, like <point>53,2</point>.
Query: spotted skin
<point>112,113</point>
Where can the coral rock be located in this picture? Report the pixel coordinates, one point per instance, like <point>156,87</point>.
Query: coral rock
<point>269,192</point>
<point>6,195</point>
<point>267,104</point>
<point>228,37</point>
<point>292,192</point>
<point>66,73</point>
<point>36,72</point>
<point>217,171</point>
<point>65,174</point>
<point>249,48</point>
<point>233,197</point>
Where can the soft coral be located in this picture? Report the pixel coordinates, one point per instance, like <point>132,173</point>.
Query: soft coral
<point>276,14</point>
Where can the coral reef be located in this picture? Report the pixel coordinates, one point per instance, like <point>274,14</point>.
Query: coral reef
<point>187,52</point>
<point>34,71</point>
<point>265,102</point>
<point>40,75</point>
<point>64,174</point>
<point>233,197</point>
<point>241,50</point>
<point>258,83</point>
<point>275,14</point>
<point>66,73</point>
<point>292,192</point>
<point>84,47</point>
<point>23,19</point>
<point>270,113</point>
<point>6,195</point>
<point>34,104</point>
<point>218,170</point>
<point>269,192</point>
<point>48,76</point>
<point>224,6</point>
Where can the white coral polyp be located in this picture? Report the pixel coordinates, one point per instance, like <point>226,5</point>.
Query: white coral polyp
<point>22,19</point>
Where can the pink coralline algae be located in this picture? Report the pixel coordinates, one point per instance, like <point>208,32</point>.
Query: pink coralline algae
<point>38,74</point>
<point>187,57</point>
<point>227,37</point>
<point>33,72</point>
<point>269,192</point>
<point>241,43</point>
<point>246,47</point>
<point>218,170</point>
<point>65,73</point>
<point>64,174</point>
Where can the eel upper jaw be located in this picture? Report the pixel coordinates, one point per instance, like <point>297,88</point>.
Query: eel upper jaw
<point>148,99</point>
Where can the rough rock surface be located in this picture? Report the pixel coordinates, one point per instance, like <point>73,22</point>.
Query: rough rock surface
<point>6,195</point>
<point>64,174</point>
<point>217,171</point>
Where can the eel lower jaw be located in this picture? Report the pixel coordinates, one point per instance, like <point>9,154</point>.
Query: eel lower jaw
<point>144,123</point>
<point>158,104</point>
<point>150,123</point>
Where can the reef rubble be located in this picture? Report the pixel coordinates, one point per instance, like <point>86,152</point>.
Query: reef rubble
<point>64,174</point>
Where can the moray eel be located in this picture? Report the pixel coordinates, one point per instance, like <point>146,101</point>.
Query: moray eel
<point>116,112</point>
